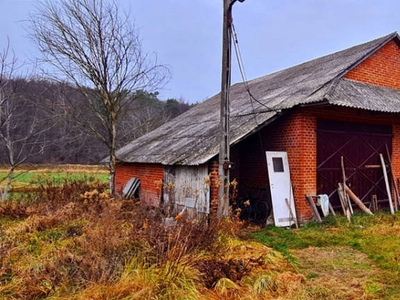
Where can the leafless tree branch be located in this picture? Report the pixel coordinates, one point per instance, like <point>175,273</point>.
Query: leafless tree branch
<point>96,48</point>
<point>21,134</point>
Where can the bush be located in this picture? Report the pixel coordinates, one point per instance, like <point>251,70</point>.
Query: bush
<point>73,241</point>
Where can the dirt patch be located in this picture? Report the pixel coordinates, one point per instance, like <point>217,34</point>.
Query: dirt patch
<point>339,273</point>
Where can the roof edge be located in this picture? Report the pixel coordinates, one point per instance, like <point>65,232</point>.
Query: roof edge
<point>390,37</point>
<point>334,82</point>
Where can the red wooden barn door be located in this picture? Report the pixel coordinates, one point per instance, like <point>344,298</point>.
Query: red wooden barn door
<point>360,145</point>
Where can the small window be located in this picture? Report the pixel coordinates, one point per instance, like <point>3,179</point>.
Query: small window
<point>278,164</point>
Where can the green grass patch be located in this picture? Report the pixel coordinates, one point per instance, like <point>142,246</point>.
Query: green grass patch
<point>376,236</point>
<point>372,235</point>
<point>59,177</point>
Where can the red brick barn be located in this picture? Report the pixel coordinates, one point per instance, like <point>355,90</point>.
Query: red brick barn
<point>343,104</point>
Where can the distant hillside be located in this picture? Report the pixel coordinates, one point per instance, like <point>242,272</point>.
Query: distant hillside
<point>64,140</point>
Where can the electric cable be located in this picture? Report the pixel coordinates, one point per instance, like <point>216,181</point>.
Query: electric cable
<point>247,87</point>
<point>242,71</point>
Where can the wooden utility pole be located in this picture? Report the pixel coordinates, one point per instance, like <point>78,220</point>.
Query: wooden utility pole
<point>224,151</point>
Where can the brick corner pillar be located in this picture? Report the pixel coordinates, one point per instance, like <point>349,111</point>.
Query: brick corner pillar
<point>214,186</point>
<point>303,162</point>
<point>396,153</point>
<point>122,175</point>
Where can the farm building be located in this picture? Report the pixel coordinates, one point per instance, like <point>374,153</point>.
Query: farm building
<point>343,104</point>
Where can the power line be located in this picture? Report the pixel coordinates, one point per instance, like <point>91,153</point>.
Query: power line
<point>243,73</point>
<point>247,87</point>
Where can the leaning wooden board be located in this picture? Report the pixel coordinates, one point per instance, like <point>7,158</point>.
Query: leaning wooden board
<point>314,209</point>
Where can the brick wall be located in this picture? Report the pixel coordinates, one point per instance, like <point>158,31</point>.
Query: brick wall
<point>295,133</point>
<point>149,175</point>
<point>381,68</point>
<point>396,152</point>
<point>214,185</point>
<point>298,138</point>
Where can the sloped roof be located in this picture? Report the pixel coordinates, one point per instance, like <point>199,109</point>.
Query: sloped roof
<point>193,137</point>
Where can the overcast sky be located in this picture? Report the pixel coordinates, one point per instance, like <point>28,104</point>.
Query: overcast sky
<point>273,34</point>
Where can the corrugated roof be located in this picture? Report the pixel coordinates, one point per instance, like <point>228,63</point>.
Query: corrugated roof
<point>357,94</point>
<point>193,137</point>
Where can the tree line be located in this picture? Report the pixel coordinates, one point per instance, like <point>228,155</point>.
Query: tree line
<point>38,125</point>
<point>99,92</point>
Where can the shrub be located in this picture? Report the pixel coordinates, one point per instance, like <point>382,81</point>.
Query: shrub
<point>72,241</point>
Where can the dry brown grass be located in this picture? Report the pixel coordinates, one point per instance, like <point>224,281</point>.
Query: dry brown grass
<point>338,273</point>
<point>74,242</point>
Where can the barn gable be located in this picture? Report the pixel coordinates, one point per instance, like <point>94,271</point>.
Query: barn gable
<point>382,68</point>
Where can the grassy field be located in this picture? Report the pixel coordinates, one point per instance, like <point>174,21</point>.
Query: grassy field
<point>39,177</point>
<point>27,178</point>
<point>360,260</point>
<point>72,241</point>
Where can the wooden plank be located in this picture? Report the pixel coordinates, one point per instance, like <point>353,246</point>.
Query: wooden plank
<point>387,184</point>
<point>186,186</point>
<point>345,200</point>
<point>374,202</point>
<point>314,209</point>
<point>372,166</point>
<point>331,209</point>
<point>349,204</point>
<point>396,190</point>
<point>291,213</point>
<point>356,200</point>
<point>169,185</point>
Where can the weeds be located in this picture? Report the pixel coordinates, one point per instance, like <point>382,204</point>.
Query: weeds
<point>72,241</point>
<point>13,210</point>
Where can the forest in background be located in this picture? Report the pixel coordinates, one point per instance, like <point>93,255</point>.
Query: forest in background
<point>41,110</point>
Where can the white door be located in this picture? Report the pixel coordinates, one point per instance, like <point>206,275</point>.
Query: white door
<point>281,189</point>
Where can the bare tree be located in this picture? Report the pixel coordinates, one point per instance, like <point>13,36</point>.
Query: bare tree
<point>147,113</point>
<point>22,134</point>
<point>96,48</point>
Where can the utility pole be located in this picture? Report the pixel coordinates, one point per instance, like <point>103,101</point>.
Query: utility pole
<point>224,149</point>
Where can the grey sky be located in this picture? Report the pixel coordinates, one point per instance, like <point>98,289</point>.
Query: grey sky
<point>273,34</point>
